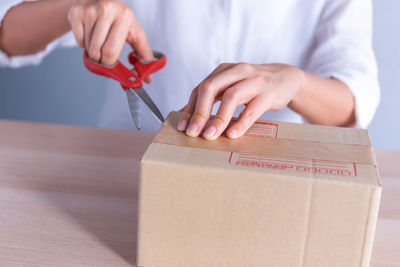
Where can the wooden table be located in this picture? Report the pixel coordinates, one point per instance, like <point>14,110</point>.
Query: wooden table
<point>68,197</point>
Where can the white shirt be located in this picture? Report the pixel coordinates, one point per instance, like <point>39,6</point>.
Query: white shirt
<point>331,38</point>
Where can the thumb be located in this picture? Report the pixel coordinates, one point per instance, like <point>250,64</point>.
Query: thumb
<point>140,44</point>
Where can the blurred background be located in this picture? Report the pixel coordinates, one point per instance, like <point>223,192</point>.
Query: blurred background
<point>61,90</point>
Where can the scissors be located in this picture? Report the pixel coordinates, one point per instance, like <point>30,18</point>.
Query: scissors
<point>131,80</point>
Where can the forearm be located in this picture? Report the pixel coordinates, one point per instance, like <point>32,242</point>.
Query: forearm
<point>28,27</point>
<point>324,101</point>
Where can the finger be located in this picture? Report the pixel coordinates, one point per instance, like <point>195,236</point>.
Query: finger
<point>201,113</point>
<point>77,29</point>
<point>189,108</point>
<point>208,91</point>
<point>88,23</point>
<point>215,71</point>
<point>187,111</point>
<point>148,79</point>
<point>183,108</point>
<point>220,68</point>
<point>138,40</point>
<point>100,32</point>
<point>75,20</point>
<point>249,115</point>
<point>224,76</point>
<point>238,94</point>
<point>114,43</point>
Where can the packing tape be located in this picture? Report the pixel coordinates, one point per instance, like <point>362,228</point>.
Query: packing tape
<point>359,154</point>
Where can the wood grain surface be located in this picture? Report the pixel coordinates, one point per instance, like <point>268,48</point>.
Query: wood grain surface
<point>68,196</point>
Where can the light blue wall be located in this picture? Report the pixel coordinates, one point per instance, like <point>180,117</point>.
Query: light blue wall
<point>385,128</point>
<point>61,90</point>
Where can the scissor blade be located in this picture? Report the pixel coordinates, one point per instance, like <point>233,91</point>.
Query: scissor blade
<point>140,92</point>
<point>134,107</point>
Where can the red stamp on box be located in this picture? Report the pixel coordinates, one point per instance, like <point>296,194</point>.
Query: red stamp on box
<point>324,167</point>
<point>263,129</point>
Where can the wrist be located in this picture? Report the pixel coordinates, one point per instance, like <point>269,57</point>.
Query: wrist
<point>300,77</point>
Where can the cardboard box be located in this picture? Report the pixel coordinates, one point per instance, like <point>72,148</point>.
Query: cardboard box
<point>283,195</point>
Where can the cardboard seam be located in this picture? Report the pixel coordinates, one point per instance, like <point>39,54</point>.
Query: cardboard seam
<point>138,237</point>
<point>379,175</point>
<point>305,245</point>
<point>362,256</point>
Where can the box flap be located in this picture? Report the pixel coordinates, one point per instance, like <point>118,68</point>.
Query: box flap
<point>314,142</point>
<point>304,153</point>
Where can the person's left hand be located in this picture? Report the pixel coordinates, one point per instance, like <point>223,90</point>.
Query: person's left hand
<point>259,87</point>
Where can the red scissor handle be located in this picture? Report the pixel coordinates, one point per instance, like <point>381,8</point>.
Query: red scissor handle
<point>146,67</point>
<point>122,74</point>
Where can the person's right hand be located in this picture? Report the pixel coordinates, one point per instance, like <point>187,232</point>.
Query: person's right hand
<point>103,26</point>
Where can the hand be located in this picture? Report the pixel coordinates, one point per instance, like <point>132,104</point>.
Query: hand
<point>259,87</point>
<point>103,26</point>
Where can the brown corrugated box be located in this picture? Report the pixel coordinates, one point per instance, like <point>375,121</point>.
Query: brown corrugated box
<point>283,195</point>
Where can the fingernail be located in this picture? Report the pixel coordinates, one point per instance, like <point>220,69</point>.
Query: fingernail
<point>233,133</point>
<point>182,125</point>
<point>210,132</point>
<point>192,129</point>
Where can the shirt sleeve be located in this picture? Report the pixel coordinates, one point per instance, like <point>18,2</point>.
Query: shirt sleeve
<point>342,49</point>
<point>67,40</point>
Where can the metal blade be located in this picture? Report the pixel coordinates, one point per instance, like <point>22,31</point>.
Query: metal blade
<point>134,107</point>
<point>140,92</point>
